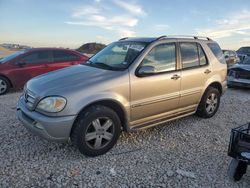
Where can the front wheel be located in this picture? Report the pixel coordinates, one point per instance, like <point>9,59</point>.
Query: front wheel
<point>209,103</point>
<point>96,131</point>
<point>4,85</point>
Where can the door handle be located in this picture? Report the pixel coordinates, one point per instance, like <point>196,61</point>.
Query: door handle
<point>175,77</point>
<point>207,71</point>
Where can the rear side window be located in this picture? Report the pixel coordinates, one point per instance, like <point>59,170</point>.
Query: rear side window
<point>192,55</point>
<point>59,55</point>
<point>189,55</point>
<point>37,57</point>
<point>215,48</point>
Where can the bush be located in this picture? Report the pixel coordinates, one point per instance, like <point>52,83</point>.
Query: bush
<point>91,48</point>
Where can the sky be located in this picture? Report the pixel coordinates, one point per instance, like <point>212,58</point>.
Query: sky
<point>71,23</point>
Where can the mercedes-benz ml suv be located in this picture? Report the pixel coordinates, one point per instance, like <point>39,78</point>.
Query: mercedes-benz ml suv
<point>131,84</point>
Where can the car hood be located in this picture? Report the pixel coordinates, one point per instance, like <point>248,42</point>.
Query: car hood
<point>240,66</point>
<point>69,80</point>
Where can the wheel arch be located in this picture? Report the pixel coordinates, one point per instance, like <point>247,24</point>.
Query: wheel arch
<point>112,104</point>
<point>216,85</point>
<point>11,84</point>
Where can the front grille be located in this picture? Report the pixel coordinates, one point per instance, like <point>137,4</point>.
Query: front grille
<point>243,74</point>
<point>29,99</point>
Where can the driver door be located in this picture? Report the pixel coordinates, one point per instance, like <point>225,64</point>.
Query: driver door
<point>31,65</point>
<point>154,95</point>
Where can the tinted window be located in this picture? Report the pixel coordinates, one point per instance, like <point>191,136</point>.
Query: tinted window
<point>37,57</point>
<point>202,56</point>
<point>215,48</point>
<point>162,58</point>
<point>64,56</point>
<point>189,55</point>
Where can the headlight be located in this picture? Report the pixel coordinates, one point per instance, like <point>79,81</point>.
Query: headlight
<point>52,104</point>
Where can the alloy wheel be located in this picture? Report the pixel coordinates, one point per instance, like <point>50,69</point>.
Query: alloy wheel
<point>99,133</point>
<point>3,86</point>
<point>211,103</point>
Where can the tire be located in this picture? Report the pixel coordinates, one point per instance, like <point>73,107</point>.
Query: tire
<point>96,130</point>
<point>236,169</point>
<point>213,95</point>
<point>4,85</point>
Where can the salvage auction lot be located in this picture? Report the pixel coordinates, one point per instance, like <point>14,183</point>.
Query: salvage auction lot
<point>189,152</point>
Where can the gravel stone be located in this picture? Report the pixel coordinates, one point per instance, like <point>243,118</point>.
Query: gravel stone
<point>170,173</point>
<point>185,173</point>
<point>189,152</point>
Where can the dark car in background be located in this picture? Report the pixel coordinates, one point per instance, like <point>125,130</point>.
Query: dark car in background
<point>243,52</point>
<point>17,68</point>
<point>231,57</point>
<point>239,74</point>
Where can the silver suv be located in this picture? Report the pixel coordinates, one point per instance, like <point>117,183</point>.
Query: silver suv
<point>131,84</point>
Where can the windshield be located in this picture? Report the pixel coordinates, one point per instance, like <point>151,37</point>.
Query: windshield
<point>244,50</point>
<point>117,56</point>
<point>11,56</point>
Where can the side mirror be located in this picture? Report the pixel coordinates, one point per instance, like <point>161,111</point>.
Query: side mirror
<point>146,70</point>
<point>226,56</point>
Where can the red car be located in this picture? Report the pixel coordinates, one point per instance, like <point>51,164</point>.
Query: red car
<point>17,68</point>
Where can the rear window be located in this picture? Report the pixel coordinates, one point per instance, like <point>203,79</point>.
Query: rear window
<point>215,48</point>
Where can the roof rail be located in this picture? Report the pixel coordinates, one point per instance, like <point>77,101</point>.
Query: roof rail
<point>123,38</point>
<point>189,36</point>
<point>160,37</point>
<point>202,37</point>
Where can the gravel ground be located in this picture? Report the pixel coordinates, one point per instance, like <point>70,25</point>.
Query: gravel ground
<point>190,152</point>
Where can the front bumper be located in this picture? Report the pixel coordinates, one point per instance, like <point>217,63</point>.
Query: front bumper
<point>238,82</point>
<point>50,128</point>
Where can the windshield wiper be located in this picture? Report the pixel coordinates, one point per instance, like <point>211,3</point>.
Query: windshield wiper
<point>99,64</point>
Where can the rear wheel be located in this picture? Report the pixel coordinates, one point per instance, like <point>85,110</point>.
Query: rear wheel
<point>4,85</point>
<point>96,131</point>
<point>209,103</point>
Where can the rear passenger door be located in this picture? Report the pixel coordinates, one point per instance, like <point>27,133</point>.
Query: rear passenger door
<point>195,71</point>
<point>62,59</point>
